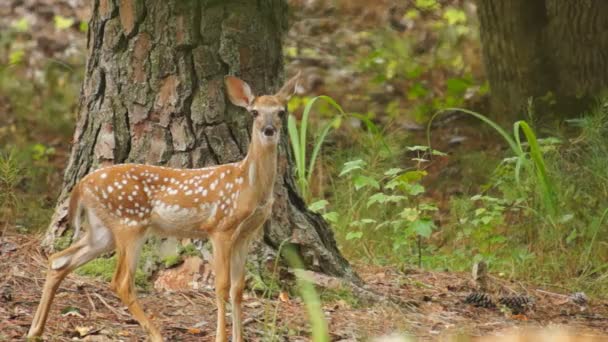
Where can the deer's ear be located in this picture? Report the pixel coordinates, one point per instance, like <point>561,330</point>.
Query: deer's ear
<point>289,88</point>
<point>239,92</point>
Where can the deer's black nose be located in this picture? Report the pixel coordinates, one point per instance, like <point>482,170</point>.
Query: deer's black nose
<point>269,131</point>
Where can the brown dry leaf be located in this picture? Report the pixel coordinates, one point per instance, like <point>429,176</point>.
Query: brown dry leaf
<point>194,331</point>
<point>253,305</point>
<point>124,333</point>
<point>520,317</point>
<point>83,331</point>
<point>284,297</point>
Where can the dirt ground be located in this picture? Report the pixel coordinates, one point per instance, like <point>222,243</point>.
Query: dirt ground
<point>85,309</point>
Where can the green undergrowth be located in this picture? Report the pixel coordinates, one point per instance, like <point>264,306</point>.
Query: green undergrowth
<point>537,213</point>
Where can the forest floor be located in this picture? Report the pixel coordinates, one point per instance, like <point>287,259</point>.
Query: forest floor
<point>86,309</point>
<point>328,51</point>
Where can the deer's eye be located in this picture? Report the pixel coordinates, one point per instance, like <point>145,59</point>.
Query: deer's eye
<point>281,113</point>
<point>255,113</point>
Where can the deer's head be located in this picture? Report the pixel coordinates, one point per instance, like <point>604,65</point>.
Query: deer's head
<point>267,110</point>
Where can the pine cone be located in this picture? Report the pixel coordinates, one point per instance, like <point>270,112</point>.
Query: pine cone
<point>579,298</point>
<point>517,304</point>
<point>480,299</point>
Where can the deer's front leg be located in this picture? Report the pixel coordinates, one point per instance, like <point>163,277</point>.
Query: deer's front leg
<point>237,285</point>
<point>221,256</point>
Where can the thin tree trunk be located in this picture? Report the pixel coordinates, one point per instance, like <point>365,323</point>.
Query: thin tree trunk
<point>153,93</point>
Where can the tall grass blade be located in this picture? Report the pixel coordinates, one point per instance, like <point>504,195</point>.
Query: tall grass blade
<point>548,190</point>
<point>318,325</point>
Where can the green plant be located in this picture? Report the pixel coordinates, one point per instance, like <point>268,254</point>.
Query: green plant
<point>298,136</point>
<point>11,175</point>
<point>299,143</point>
<point>320,332</point>
<point>411,218</point>
<point>528,158</point>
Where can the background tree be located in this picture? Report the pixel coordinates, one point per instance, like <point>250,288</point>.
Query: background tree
<point>153,93</point>
<point>551,50</point>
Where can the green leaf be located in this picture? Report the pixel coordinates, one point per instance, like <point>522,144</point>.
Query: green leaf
<point>454,16</point>
<point>62,23</point>
<point>378,197</point>
<point>427,4</point>
<point>381,198</point>
<point>480,211</point>
<point>331,217</point>
<point>351,166</point>
<point>16,57</point>
<point>361,181</point>
<point>410,214</point>
<point>21,25</point>
<point>427,207</point>
<point>318,205</point>
<point>393,172</point>
<point>415,189</point>
<point>413,176</point>
<point>457,86</point>
<point>422,227</point>
<point>486,219</point>
<point>354,235</point>
<point>83,26</point>
<point>572,236</point>
<point>70,309</point>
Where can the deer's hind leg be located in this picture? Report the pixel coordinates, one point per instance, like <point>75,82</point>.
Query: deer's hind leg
<point>129,242</point>
<point>97,241</point>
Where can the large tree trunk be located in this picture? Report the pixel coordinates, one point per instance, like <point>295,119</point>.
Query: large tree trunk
<point>550,50</point>
<point>153,93</point>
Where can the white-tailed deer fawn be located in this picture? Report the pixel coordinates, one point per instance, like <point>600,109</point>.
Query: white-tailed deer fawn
<point>226,203</point>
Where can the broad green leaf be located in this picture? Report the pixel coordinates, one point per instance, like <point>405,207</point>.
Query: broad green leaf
<point>479,211</point>
<point>415,189</point>
<point>331,217</point>
<point>454,16</point>
<point>393,172</point>
<point>361,181</point>
<point>413,176</point>
<point>351,166</point>
<point>410,214</point>
<point>423,227</point>
<point>486,219</point>
<point>378,197</point>
<point>318,205</point>
<point>353,235</point>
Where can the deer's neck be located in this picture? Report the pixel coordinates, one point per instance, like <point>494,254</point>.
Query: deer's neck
<point>260,169</point>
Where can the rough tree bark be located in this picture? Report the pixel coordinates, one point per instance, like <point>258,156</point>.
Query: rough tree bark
<point>551,50</point>
<point>153,93</point>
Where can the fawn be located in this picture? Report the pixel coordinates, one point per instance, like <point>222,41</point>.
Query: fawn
<point>226,203</point>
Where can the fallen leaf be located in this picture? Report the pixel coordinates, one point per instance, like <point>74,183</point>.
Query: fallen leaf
<point>194,331</point>
<point>253,305</point>
<point>83,331</point>
<point>520,317</point>
<point>71,311</point>
<point>124,333</point>
<point>283,297</point>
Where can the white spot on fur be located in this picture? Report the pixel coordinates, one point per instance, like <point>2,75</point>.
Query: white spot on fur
<point>104,175</point>
<point>110,189</point>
